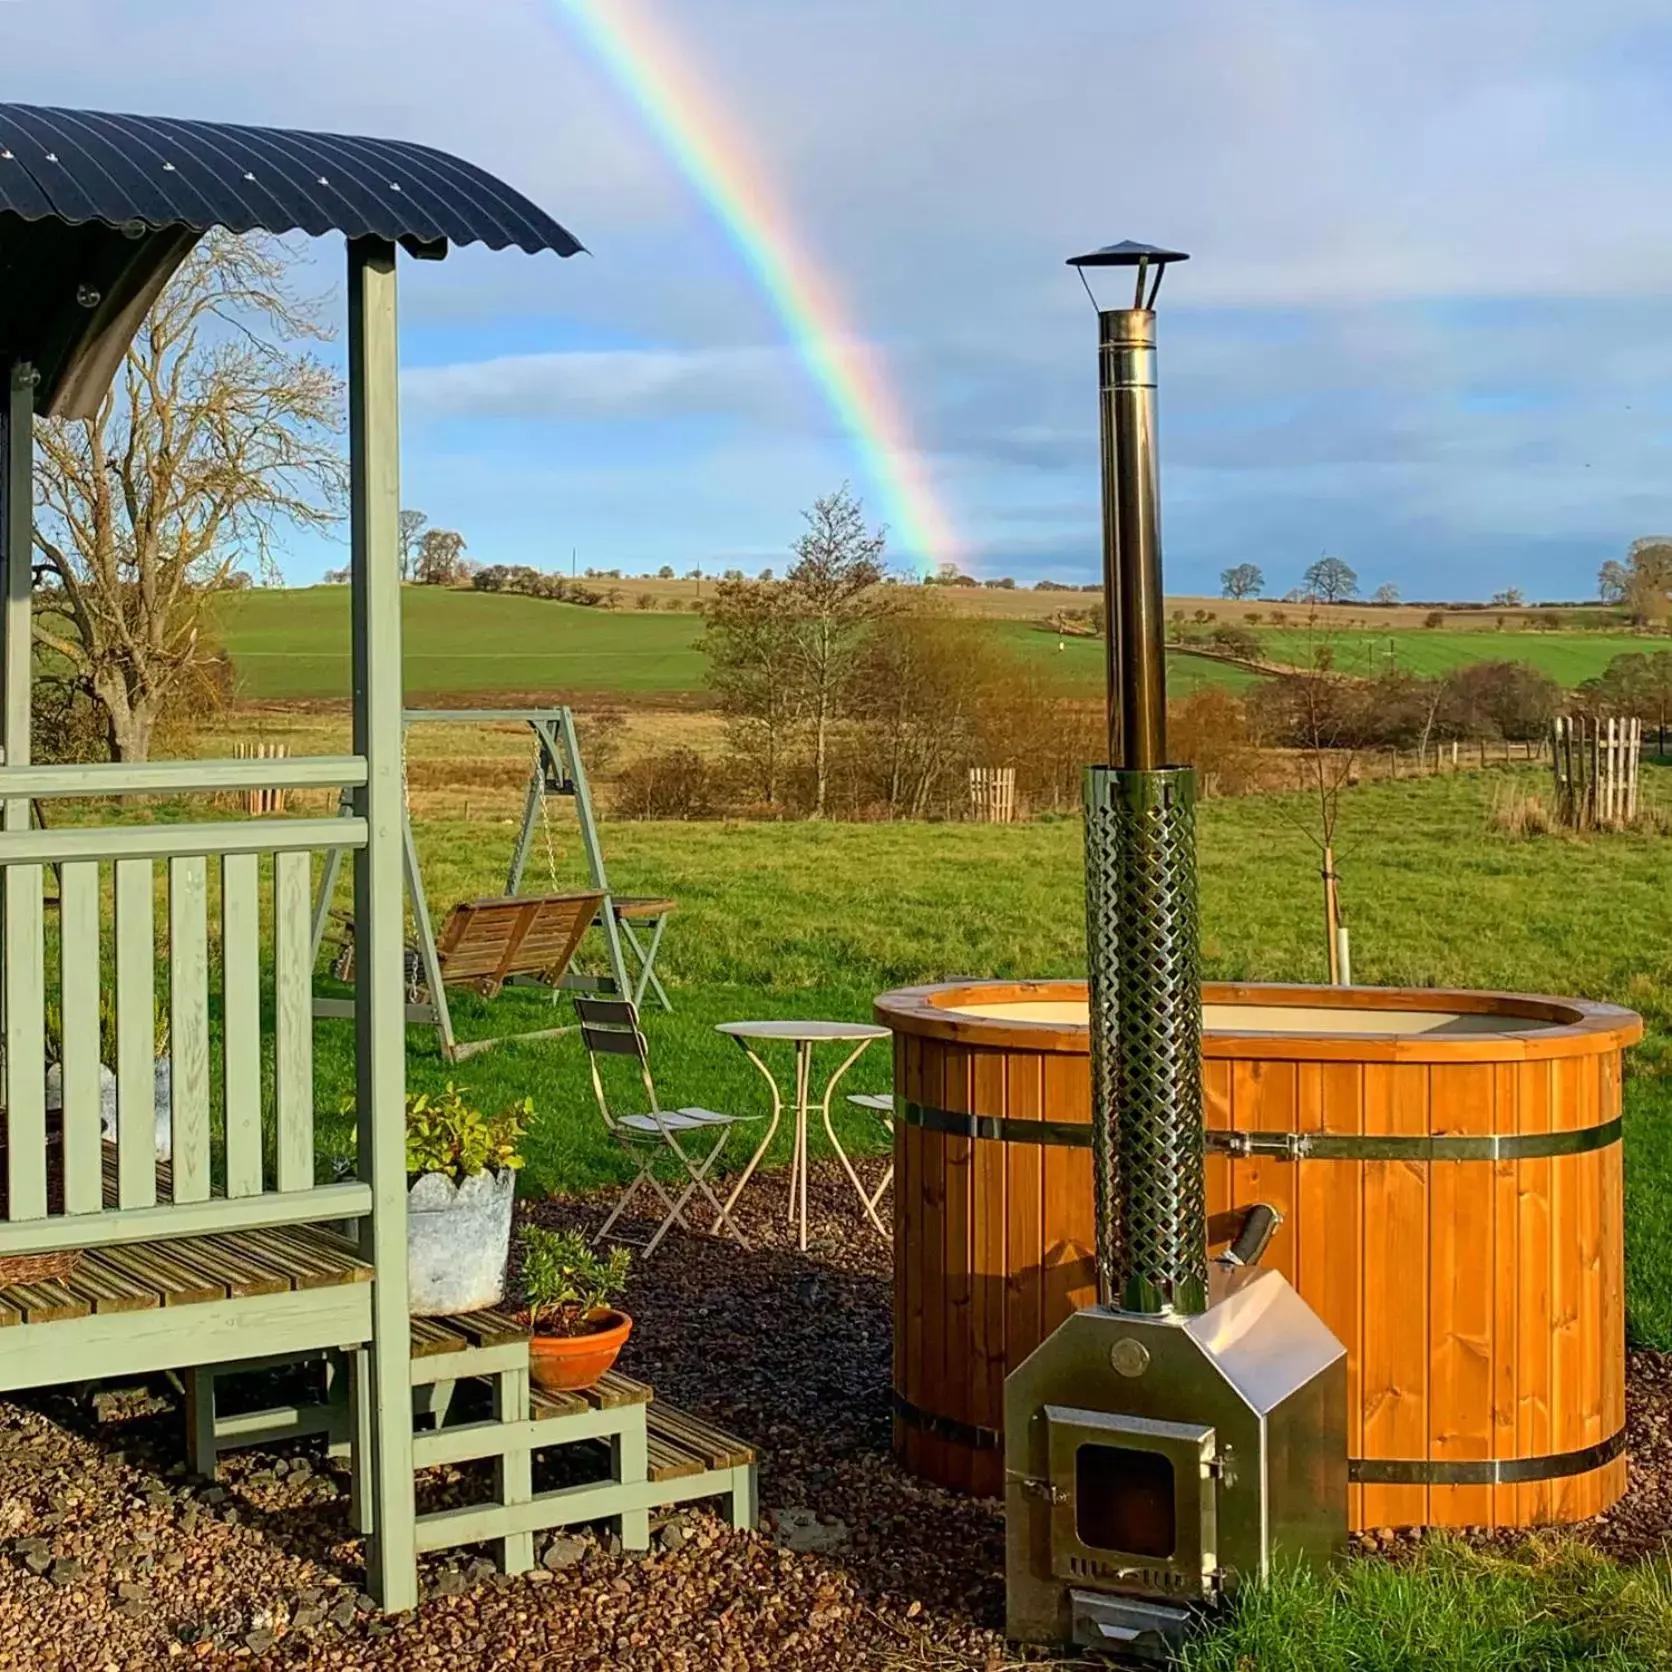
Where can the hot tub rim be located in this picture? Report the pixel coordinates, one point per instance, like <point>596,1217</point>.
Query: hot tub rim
<point>1577,1027</point>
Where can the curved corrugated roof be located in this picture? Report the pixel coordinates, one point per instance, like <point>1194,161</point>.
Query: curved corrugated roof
<point>79,166</point>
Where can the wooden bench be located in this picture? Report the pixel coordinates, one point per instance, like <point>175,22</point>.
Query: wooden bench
<point>485,943</point>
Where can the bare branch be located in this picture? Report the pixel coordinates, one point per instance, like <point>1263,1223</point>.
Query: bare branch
<point>223,430</point>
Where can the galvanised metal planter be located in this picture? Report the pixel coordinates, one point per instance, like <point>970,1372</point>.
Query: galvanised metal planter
<point>458,1241</point>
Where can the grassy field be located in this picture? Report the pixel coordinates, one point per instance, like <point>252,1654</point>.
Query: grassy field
<point>293,647</point>
<point>1568,658</point>
<point>809,919</point>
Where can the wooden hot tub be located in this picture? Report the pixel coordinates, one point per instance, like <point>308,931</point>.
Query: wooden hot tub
<point>1448,1165</point>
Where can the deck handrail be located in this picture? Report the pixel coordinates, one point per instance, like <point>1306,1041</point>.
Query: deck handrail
<point>166,1220</point>
<point>65,845</point>
<point>114,778</point>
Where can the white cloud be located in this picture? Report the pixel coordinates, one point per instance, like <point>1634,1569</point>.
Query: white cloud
<point>647,383</point>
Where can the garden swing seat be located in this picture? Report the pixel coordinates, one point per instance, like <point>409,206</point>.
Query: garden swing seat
<point>485,945</point>
<point>526,939</point>
<point>533,937</point>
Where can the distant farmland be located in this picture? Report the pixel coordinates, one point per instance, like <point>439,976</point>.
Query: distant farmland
<point>293,646</point>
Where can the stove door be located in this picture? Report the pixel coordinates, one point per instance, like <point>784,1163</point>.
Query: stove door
<point>1134,1503</point>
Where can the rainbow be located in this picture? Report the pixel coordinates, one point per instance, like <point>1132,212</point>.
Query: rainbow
<point>651,70</point>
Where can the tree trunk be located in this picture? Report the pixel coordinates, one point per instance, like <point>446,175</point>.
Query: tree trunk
<point>820,764</point>
<point>131,722</point>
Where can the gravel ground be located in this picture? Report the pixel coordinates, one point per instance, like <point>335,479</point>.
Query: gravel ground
<point>112,1557</point>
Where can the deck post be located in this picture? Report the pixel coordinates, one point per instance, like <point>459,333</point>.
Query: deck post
<point>17,538</point>
<point>380,1015</point>
<point>20,1004</point>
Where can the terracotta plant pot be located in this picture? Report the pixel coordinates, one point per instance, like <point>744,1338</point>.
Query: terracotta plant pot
<point>568,1363</point>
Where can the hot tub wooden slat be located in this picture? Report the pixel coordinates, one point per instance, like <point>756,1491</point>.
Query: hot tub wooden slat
<point>990,1243</point>
<point>1330,1230</point>
<point>956,1359</point>
<point>1481,1300</point>
<point>1070,1253</point>
<point>1461,1193</point>
<point>1506,1332</point>
<point>1024,1183</point>
<point>1396,1293</point>
<point>1535,1339</point>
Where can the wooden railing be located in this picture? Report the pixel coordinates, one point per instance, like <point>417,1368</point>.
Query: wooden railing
<point>57,1192</point>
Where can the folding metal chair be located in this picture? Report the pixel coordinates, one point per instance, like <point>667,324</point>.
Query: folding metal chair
<point>881,1104</point>
<point>610,1027</point>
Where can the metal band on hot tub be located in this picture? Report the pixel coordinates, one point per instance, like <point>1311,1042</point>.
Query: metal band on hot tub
<point>1361,1471</point>
<point>1294,1146</point>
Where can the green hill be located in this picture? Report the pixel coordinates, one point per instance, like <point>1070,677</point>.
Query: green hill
<point>293,646</point>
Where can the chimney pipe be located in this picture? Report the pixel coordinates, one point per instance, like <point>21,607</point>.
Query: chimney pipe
<point>1141,924</point>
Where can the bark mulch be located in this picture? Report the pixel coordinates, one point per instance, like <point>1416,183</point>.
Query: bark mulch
<point>111,1556</point>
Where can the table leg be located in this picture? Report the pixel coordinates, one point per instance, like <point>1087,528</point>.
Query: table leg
<point>766,1143</point>
<point>803,1108</point>
<point>650,975</point>
<point>646,956</point>
<point>868,1203</point>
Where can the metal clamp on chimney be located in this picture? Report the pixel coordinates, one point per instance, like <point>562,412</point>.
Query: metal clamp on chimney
<point>1166,1443</point>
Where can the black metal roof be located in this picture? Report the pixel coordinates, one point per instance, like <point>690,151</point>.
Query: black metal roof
<point>1126,253</point>
<point>97,212</point>
<point>84,165</point>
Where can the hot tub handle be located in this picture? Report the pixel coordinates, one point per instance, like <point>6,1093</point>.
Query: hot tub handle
<point>1258,1228</point>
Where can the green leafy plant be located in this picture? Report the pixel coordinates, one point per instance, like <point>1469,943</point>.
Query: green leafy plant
<point>564,1282</point>
<point>446,1133</point>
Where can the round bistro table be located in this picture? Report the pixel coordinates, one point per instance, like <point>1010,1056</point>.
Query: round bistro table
<point>805,1036</point>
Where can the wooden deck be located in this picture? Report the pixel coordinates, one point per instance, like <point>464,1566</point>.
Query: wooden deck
<point>138,1277</point>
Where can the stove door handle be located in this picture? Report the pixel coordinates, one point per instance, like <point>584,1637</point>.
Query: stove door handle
<point>1258,1228</point>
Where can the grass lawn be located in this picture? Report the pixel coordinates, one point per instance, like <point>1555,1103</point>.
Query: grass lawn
<point>1568,658</point>
<point>809,919</point>
<point>1453,1609</point>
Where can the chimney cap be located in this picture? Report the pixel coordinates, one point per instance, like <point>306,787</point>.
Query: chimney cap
<point>1127,253</point>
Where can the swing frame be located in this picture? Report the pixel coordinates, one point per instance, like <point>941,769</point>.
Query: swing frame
<point>558,770</point>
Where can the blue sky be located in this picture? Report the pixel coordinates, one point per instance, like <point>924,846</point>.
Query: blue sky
<point>1427,325</point>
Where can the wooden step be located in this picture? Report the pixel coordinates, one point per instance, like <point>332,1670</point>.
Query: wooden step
<point>682,1445</point>
<point>612,1391</point>
<point>465,1332</point>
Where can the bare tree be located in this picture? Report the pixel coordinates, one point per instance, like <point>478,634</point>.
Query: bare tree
<point>221,429</point>
<point>834,593</point>
<point>1331,581</point>
<point>749,635</point>
<point>917,701</point>
<point>1387,593</point>
<point>1242,580</point>
<point>440,560</point>
<point>413,524</point>
<point>1643,581</point>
